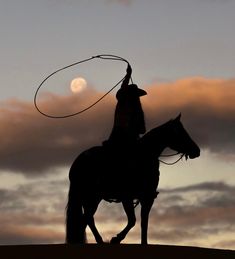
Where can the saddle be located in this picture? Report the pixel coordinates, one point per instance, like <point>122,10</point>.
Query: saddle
<point>120,177</point>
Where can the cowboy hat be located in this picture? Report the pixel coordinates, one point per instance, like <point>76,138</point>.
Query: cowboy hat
<point>131,89</point>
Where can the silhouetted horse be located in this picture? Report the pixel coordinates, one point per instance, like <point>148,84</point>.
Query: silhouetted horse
<point>96,175</point>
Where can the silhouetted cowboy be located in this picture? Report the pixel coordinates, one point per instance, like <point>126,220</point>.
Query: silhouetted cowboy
<point>129,117</point>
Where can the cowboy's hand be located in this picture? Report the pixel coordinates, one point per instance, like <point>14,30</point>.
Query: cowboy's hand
<point>129,69</point>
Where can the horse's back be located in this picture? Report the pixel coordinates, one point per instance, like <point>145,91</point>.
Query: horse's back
<point>84,162</point>
<point>113,175</point>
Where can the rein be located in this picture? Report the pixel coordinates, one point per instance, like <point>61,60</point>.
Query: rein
<point>173,163</point>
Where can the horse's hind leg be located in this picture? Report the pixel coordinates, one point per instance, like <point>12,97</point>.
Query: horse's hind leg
<point>89,211</point>
<point>130,212</point>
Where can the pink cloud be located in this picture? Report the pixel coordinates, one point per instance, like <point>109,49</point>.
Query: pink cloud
<point>31,143</point>
<point>207,106</point>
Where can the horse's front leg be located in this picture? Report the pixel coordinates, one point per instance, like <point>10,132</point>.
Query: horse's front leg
<point>130,212</point>
<point>146,206</point>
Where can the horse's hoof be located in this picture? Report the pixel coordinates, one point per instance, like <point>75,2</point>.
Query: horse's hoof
<point>115,240</point>
<point>99,241</point>
<point>144,243</point>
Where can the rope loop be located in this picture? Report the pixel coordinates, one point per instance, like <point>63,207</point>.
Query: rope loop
<point>102,56</point>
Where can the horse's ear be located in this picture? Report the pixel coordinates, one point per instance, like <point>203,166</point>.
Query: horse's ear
<point>178,117</point>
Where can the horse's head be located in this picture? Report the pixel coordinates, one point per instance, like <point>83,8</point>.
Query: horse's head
<point>180,141</point>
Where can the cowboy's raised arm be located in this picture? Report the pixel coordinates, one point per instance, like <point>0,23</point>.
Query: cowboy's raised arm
<point>126,80</point>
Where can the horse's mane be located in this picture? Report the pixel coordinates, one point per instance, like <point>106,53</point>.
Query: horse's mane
<point>154,132</point>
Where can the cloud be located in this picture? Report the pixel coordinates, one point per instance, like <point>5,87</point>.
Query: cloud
<point>33,212</point>
<point>207,106</point>
<point>32,144</point>
<point>15,235</point>
<point>204,212</point>
<point>207,186</point>
<point>226,244</point>
<point>194,218</point>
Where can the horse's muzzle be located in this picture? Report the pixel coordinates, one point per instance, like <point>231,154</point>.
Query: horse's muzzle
<point>194,154</point>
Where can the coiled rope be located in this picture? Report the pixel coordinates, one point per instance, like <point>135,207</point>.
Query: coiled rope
<point>103,56</point>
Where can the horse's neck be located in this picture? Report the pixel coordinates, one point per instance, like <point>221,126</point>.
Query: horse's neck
<point>154,142</point>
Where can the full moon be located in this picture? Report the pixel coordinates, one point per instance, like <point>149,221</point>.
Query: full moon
<point>78,84</point>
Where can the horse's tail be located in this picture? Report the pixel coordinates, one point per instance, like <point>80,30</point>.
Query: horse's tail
<point>75,220</point>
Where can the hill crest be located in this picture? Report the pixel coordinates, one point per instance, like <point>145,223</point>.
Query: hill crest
<point>93,251</point>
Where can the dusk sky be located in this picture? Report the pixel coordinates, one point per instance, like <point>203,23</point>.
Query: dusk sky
<point>182,53</point>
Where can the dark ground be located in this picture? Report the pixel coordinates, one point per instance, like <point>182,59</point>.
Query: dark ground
<point>92,251</point>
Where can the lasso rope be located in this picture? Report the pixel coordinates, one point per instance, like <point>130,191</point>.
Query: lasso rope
<point>103,56</point>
